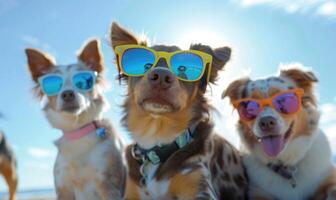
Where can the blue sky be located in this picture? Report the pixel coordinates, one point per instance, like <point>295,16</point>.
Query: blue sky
<point>262,33</point>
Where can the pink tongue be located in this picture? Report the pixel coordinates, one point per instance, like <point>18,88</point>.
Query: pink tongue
<point>272,146</point>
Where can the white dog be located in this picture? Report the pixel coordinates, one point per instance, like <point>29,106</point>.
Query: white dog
<point>89,163</point>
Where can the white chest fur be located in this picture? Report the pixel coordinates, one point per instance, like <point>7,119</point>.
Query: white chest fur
<point>154,189</point>
<point>312,170</point>
<point>81,164</point>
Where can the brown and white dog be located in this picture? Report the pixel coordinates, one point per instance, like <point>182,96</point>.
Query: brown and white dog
<point>159,108</point>
<point>89,162</point>
<point>287,157</point>
<point>8,166</point>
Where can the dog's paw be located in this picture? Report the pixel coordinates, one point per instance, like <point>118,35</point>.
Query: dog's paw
<point>331,194</point>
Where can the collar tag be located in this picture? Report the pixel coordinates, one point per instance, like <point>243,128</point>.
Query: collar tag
<point>182,140</point>
<point>286,172</point>
<point>101,132</point>
<point>153,157</point>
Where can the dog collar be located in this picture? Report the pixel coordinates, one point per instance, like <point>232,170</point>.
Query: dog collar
<point>87,129</point>
<point>160,153</point>
<point>286,172</point>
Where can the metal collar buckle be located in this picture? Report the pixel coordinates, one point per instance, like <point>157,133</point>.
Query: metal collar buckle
<point>286,172</point>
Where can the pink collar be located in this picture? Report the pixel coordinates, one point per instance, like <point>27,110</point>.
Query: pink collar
<point>79,133</point>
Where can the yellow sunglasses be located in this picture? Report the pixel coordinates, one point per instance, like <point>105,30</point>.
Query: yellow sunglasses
<point>188,65</point>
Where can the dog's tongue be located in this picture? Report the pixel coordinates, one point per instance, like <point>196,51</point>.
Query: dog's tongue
<point>272,146</point>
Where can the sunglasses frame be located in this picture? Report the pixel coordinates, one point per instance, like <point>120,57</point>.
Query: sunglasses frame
<point>206,59</point>
<point>269,102</point>
<point>62,76</point>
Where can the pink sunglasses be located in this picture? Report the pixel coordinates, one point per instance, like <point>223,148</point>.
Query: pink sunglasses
<point>286,103</point>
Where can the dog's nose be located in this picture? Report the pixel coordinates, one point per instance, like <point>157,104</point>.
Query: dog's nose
<point>161,77</point>
<point>68,95</point>
<point>267,123</point>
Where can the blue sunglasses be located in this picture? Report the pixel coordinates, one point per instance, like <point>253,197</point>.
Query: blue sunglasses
<point>189,65</point>
<point>52,84</point>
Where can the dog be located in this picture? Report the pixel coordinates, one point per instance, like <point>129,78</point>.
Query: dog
<point>89,163</point>
<point>286,154</point>
<point>175,154</point>
<point>8,166</point>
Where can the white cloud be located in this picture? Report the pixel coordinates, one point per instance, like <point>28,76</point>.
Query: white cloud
<point>31,41</point>
<point>328,122</point>
<point>254,2</point>
<point>325,8</point>
<point>40,152</point>
<point>328,113</point>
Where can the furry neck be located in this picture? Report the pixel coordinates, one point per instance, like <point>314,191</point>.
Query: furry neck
<point>69,122</point>
<point>149,130</point>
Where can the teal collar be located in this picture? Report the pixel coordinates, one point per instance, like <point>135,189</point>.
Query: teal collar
<point>160,153</point>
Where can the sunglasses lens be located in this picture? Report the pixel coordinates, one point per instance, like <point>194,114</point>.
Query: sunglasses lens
<point>187,66</point>
<point>286,103</point>
<point>83,80</point>
<point>248,110</point>
<point>51,85</point>
<point>137,61</point>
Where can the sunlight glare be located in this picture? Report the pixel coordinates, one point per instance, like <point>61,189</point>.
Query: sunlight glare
<point>204,36</point>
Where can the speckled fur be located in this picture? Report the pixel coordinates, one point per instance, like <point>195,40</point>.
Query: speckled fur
<point>307,147</point>
<point>208,167</point>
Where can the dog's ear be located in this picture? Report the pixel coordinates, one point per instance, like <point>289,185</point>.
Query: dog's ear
<point>39,63</point>
<point>303,79</point>
<point>236,89</point>
<point>120,36</point>
<point>91,56</point>
<point>220,56</point>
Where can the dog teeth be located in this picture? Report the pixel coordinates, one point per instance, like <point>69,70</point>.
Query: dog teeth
<point>155,107</point>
